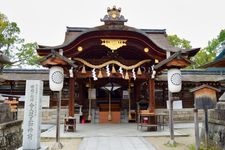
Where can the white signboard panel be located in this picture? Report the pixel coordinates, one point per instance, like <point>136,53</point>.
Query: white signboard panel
<point>45,101</point>
<point>91,93</point>
<point>176,104</point>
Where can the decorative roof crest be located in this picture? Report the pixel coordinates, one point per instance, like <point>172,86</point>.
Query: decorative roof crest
<point>114,16</point>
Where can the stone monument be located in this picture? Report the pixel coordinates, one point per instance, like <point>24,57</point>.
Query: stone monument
<point>32,115</point>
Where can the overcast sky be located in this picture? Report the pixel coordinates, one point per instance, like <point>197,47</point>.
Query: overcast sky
<point>45,21</point>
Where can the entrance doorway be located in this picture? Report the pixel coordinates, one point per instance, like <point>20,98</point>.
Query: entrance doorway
<point>112,106</point>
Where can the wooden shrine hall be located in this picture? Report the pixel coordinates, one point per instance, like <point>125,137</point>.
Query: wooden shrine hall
<point>112,67</point>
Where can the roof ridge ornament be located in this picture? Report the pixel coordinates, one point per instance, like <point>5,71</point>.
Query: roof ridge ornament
<point>114,16</point>
<point>113,44</point>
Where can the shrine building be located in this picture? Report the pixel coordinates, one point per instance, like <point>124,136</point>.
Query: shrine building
<point>113,66</point>
<point>112,69</point>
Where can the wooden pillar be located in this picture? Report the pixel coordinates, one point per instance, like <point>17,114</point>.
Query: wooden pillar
<point>171,123</point>
<point>80,92</point>
<point>137,91</point>
<point>152,95</point>
<point>197,141</point>
<point>71,96</point>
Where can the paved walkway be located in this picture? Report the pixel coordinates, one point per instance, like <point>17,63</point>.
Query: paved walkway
<point>113,136</point>
<point>115,143</point>
<point>107,130</point>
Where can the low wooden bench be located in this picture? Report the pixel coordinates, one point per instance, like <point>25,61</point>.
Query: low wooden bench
<point>146,119</point>
<point>148,125</point>
<point>69,124</point>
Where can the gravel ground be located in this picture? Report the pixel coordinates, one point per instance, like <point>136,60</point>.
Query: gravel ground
<point>68,144</point>
<point>183,143</point>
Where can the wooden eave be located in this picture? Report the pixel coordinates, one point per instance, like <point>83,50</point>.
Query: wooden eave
<point>55,59</point>
<point>217,63</point>
<point>174,61</point>
<point>190,52</point>
<point>190,76</point>
<point>204,86</point>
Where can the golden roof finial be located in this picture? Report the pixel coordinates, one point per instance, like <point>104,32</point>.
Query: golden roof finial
<point>114,16</point>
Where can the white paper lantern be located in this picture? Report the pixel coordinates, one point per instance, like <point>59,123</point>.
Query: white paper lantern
<point>174,80</point>
<point>56,77</point>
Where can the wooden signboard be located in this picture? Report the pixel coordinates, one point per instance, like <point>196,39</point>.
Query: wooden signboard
<point>205,97</point>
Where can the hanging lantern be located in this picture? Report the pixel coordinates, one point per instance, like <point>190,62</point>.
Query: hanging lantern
<point>113,69</point>
<point>139,71</point>
<point>56,77</point>
<point>100,74</point>
<point>126,76</point>
<point>174,80</point>
<point>83,69</point>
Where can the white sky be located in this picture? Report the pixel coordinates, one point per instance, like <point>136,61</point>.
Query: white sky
<point>45,21</point>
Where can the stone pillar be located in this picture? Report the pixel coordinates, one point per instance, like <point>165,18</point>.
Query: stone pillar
<point>32,115</point>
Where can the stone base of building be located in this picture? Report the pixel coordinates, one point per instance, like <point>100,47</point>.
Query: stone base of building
<point>180,115</point>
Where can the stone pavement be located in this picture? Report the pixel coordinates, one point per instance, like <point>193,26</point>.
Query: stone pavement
<point>113,136</point>
<point>106,130</point>
<point>115,143</point>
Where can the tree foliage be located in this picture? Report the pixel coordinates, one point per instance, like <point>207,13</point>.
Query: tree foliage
<point>208,53</point>
<point>13,46</point>
<point>179,42</point>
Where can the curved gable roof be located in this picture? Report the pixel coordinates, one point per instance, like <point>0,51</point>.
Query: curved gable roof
<point>157,36</point>
<point>114,21</point>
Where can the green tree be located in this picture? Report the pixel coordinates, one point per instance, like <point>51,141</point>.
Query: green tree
<point>208,53</point>
<point>13,46</point>
<point>179,42</point>
<point>27,54</point>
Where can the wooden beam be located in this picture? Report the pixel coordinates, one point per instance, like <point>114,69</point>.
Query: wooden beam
<point>88,74</point>
<point>152,95</point>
